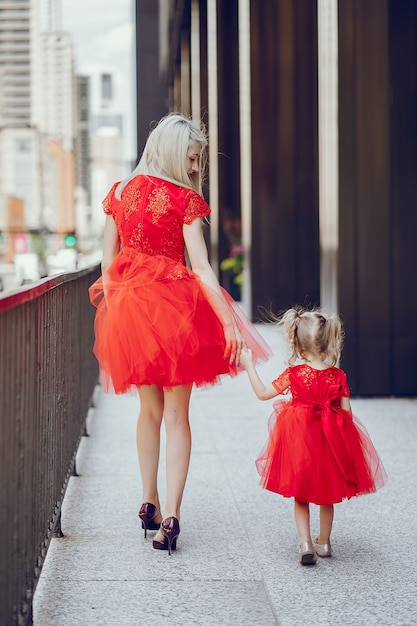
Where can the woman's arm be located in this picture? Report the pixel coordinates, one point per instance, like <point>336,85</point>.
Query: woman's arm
<point>111,243</point>
<point>197,253</point>
<point>111,246</point>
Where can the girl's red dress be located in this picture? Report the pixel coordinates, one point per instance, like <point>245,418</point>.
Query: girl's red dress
<point>316,451</point>
<point>157,324</point>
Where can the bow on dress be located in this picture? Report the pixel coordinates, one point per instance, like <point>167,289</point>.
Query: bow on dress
<point>334,422</point>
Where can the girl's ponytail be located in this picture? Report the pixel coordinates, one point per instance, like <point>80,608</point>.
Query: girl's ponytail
<point>290,320</point>
<point>331,339</point>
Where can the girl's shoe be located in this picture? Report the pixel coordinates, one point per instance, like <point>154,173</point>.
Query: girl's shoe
<point>307,554</point>
<point>170,528</point>
<point>322,550</point>
<point>147,514</point>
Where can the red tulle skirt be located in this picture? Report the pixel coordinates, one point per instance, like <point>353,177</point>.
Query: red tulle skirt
<point>318,458</point>
<point>158,326</point>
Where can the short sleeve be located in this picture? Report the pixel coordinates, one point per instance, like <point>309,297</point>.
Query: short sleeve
<point>195,207</point>
<point>109,201</point>
<point>346,390</point>
<point>282,383</point>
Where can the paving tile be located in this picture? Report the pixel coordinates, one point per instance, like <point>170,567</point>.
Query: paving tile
<point>158,602</point>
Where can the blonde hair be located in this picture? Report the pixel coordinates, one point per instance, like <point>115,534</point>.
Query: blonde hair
<point>313,332</point>
<point>165,153</point>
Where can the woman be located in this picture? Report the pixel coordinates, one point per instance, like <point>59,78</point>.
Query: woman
<point>162,327</point>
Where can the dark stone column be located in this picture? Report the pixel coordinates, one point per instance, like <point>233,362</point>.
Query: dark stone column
<point>377,204</point>
<point>228,133</point>
<point>203,61</point>
<point>285,241</point>
<point>151,88</point>
<point>403,162</point>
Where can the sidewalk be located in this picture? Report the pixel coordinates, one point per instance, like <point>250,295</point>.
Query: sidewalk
<point>236,562</point>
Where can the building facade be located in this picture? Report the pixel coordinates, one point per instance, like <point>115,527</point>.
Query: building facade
<point>19,145</point>
<point>107,162</point>
<point>57,131</point>
<point>82,154</point>
<point>37,98</point>
<point>310,109</point>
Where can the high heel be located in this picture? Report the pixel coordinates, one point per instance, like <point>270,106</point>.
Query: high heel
<point>147,514</point>
<point>163,545</point>
<point>170,528</point>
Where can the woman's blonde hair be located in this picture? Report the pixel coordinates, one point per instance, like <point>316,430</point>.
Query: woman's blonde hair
<point>313,332</point>
<point>165,153</point>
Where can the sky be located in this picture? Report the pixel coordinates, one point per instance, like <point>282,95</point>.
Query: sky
<point>102,33</point>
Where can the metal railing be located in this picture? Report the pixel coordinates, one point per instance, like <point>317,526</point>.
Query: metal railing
<point>47,378</point>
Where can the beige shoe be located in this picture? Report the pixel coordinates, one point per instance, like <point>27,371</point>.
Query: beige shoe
<point>322,550</point>
<point>306,551</point>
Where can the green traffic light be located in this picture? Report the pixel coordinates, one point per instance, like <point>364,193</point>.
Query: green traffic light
<point>70,241</point>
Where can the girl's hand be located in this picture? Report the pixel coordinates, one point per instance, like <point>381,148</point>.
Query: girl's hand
<point>245,357</point>
<point>262,391</point>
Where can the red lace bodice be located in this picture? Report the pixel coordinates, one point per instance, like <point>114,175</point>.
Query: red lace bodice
<point>311,385</point>
<point>151,213</point>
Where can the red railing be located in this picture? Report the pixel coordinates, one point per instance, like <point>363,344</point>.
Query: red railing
<point>47,378</point>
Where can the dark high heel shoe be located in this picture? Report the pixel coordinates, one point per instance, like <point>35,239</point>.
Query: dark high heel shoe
<point>163,545</point>
<point>147,514</point>
<point>170,528</point>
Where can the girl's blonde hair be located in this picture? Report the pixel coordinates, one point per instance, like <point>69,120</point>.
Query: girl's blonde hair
<point>165,153</point>
<point>313,332</point>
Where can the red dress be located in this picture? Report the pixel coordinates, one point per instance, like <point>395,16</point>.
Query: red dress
<point>316,451</point>
<point>158,324</point>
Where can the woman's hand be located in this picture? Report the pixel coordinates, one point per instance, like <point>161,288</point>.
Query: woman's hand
<point>234,344</point>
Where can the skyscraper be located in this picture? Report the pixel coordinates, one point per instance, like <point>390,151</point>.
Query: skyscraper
<point>19,146</point>
<point>37,96</point>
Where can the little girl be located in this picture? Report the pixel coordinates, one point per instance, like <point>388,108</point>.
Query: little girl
<point>317,450</point>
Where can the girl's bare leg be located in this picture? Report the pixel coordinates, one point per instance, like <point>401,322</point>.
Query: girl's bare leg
<point>178,448</point>
<point>326,523</point>
<point>148,441</point>
<point>302,520</point>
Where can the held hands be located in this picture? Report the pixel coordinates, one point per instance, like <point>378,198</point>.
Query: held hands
<point>263,392</point>
<point>246,357</point>
<point>235,343</point>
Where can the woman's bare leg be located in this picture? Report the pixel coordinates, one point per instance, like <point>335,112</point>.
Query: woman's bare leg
<point>178,447</point>
<point>148,435</point>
